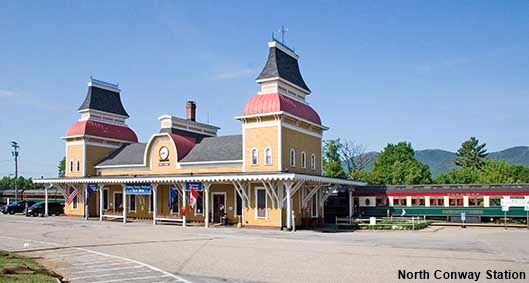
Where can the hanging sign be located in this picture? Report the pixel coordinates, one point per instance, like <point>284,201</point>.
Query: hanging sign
<point>196,186</point>
<point>138,189</point>
<point>93,187</point>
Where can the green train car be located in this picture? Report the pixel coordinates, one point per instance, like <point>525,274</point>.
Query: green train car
<point>480,203</point>
<point>33,195</point>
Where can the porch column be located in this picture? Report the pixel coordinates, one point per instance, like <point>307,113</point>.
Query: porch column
<point>206,213</point>
<point>288,189</point>
<point>124,204</point>
<point>184,201</point>
<point>155,203</point>
<point>86,202</point>
<point>46,201</point>
<point>101,202</point>
<point>350,193</point>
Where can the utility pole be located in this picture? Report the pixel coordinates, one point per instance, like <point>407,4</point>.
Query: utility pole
<point>15,146</point>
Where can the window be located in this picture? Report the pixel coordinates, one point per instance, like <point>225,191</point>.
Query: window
<point>238,205</point>
<point>132,202</point>
<point>495,201</point>
<point>418,201</point>
<point>268,156</point>
<point>176,208</point>
<point>303,160</point>
<point>381,201</point>
<point>314,208</point>
<point>261,202</point>
<point>475,201</point>
<point>313,162</point>
<point>105,199</point>
<point>71,165</point>
<point>255,157</point>
<point>75,202</point>
<point>367,202</point>
<point>456,201</point>
<point>437,201</point>
<point>399,201</point>
<point>199,207</point>
<point>78,166</point>
<point>292,158</point>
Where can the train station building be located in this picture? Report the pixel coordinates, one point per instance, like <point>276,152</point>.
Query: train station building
<point>269,176</point>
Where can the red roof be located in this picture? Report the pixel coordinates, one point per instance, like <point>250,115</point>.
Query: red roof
<point>275,102</point>
<point>183,144</point>
<point>103,130</point>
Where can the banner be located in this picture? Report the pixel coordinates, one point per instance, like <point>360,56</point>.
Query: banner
<point>173,195</point>
<point>138,189</point>
<point>196,186</point>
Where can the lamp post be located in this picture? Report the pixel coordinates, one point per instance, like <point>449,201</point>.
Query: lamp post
<point>15,147</point>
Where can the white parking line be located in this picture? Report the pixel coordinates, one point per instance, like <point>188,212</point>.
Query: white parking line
<point>133,278</point>
<point>109,269</point>
<point>111,274</point>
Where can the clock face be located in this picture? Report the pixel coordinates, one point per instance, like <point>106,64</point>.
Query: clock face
<point>164,153</point>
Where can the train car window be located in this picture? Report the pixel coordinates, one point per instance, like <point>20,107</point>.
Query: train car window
<point>381,201</point>
<point>399,201</point>
<point>475,201</point>
<point>418,201</point>
<point>495,201</point>
<point>437,201</point>
<point>456,201</point>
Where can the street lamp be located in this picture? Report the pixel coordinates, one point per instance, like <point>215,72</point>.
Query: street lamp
<point>15,147</point>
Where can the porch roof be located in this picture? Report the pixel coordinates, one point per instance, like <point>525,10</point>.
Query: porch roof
<point>223,177</point>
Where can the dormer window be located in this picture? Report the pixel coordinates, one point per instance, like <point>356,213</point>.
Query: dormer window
<point>268,156</point>
<point>292,158</point>
<point>255,157</point>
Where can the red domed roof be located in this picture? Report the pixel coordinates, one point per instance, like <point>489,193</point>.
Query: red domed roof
<point>275,102</point>
<point>104,130</point>
<point>183,144</point>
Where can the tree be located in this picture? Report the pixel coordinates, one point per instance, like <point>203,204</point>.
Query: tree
<point>332,163</point>
<point>396,165</point>
<point>496,172</point>
<point>354,156</point>
<point>471,154</point>
<point>62,167</point>
<point>465,175</point>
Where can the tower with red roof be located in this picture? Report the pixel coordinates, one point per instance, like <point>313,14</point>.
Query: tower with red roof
<point>281,131</point>
<point>100,130</point>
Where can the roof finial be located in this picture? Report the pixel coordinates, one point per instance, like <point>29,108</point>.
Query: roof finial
<point>283,30</point>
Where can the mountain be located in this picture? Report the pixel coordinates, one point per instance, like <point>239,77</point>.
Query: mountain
<point>441,161</point>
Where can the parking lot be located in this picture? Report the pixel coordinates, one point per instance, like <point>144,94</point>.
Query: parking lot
<point>92,251</point>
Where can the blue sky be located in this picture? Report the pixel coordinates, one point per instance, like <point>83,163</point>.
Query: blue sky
<point>430,72</point>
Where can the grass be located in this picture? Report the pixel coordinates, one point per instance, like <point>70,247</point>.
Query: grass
<point>39,273</point>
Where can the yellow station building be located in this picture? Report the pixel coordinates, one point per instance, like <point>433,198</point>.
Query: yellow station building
<point>269,176</point>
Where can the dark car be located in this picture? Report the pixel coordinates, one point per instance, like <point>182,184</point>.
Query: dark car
<point>16,207</point>
<point>54,208</point>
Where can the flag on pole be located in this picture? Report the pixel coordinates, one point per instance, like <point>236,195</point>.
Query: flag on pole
<point>71,195</point>
<point>172,198</point>
<point>193,198</point>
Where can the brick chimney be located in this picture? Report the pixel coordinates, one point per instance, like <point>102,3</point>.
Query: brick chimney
<point>191,109</point>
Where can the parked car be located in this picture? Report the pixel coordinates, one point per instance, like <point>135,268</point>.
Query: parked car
<point>54,208</point>
<point>16,207</point>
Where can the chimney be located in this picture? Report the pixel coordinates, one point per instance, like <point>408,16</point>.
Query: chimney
<point>191,109</point>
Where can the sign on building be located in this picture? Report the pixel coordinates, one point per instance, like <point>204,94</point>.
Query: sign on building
<point>138,189</point>
<point>196,186</point>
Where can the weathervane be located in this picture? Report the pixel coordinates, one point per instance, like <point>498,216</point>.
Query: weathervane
<point>283,30</point>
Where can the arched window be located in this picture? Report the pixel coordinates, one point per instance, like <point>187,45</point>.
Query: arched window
<point>268,156</point>
<point>78,166</point>
<point>255,157</point>
<point>313,162</point>
<point>71,165</point>
<point>303,160</point>
<point>292,157</point>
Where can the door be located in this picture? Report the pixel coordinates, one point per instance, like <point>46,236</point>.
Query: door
<point>118,202</point>
<point>219,207</point>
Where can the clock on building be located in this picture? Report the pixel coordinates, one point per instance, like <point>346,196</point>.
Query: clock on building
<point>164,153</point>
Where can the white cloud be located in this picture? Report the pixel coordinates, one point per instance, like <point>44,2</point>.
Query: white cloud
<point>5,92</point>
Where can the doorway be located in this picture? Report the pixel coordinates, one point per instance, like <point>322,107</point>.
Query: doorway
<point>118,202</point>
<point>219,206</point>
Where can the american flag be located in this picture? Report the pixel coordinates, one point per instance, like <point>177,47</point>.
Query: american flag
<point>71,195</point>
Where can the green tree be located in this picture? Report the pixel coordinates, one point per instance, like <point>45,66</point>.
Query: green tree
<point>62,167</point>
<point>332,163</point>
<point>471,154</point>
<point>396,165</point>
<point>465,175</point>
<point>496,172</point>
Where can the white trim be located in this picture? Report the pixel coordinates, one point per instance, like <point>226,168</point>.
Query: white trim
<point>161,179</point>
<point>84,159</point>
<point>97,137</point>
<point>280,148</point>
<point>292,161</point>
<point>82,142</point>
<point>213,203</point>
<point>301,130</point>
<point>243,148</point>
<point>235,164</point>
<point>283,48</point>
<point>283,81</point>
<point>120,166</point>
<point>256,156</point>
<point>257,205</point>
<point>303,160</point>
<point>275,123</point>
<point>148,148</point>
<point>266,156</point>
<point>109,88</point>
